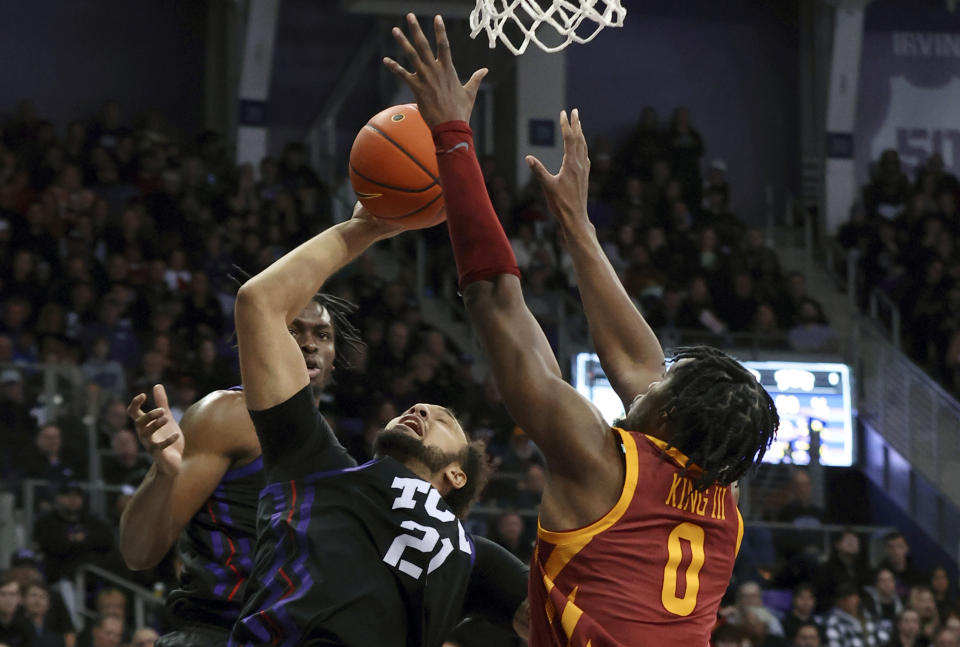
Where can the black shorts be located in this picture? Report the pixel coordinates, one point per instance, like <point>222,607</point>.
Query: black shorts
<point>195,635</point>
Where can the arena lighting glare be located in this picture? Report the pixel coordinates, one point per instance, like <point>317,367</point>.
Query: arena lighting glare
<point>813,400</point>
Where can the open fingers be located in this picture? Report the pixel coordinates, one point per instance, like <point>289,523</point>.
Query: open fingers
<point>443,42</point>
<point>133,409</point>
<point>408,49</point>
<point>420,42</point>
<point>152,420</point>
<point>160,396</point>
<point>166,442</point>
<point>398,69</point>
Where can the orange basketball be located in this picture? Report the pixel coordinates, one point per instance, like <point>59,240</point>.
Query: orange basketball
<point>393,168</point>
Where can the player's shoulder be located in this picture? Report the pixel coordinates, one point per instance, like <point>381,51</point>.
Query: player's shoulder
<point>220,422</point>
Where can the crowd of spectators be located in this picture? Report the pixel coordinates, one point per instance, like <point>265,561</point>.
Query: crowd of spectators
<point>847,602</point>
<point>117,242</point>
<point>907,233</point>
<point>695,269</point>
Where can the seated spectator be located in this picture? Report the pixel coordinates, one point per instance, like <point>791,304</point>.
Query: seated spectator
<point>144,637</point>
<point>510,532</point>
<point>757,624</point>
<point>36,605</point>
<point>801,611</point>
<point>25,568</point>
<point>113,417</point>
<point>750,596</point>
<point>808,635</point>
<point>530,492</point>
<point>125,465</point>
<point>520,454</point>
<point>104,371</point>
<point>811,332</point>
<point>15,629</point>
<point>907,631</point>
<point>69,536</point>
<point>46,462</point>
<point>946,638</point>
<point>888,189</point>
<point>847,625</point>
<point>16,420</point>
<point>800,509</point>
<point>107,631</point>
<point>727,635</point>
<point>943,593</point>
<point>921,600</point>
<point>845,565</point>
<point>882,601</point>
<point>896,557</point>
<point>739,306</point>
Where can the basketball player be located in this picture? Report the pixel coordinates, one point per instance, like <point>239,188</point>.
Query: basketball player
<point>638,526</point>
<point>204,484</point>
<point>356,555</point>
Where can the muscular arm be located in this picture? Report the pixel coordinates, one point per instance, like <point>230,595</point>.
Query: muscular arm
<point>576,442</point>
<point>628,349</point>
<point>270,361</point>
<point>217,431</point>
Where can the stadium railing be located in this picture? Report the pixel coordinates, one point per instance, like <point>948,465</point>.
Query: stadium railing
<point>143,598</point>
<point>914,414</point>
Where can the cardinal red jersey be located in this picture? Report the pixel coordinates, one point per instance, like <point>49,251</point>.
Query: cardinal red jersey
<point>650,572</point>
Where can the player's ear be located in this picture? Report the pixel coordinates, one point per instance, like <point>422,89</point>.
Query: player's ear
<point>455,476</point>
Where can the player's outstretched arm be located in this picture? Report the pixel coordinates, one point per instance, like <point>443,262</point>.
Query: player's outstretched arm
<point>568,429</point>
<point>189,460</point>
<point>271,363</point>
<point>629,351</point>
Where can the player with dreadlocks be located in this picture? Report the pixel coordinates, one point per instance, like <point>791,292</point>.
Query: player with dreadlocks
<point>638,526</point>
<point>205,481</point>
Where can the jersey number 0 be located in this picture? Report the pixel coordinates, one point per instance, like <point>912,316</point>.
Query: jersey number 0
<point>693,534</point>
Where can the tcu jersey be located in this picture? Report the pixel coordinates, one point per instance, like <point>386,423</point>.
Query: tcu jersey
<point>346,554</point>
<point>652,571</point>
<point>216,547</point>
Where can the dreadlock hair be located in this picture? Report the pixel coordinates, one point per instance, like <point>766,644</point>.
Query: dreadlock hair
<point>720,416</point>
<point>473,461</point>
<point>346,334</point>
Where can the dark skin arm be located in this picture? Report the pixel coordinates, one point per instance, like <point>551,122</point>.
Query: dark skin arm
<point>271,362</point>
<point>190,460</point>
<point>629,351</point>
<point>584,470</point>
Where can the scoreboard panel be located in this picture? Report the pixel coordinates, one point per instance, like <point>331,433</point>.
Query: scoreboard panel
<point>813,399</point>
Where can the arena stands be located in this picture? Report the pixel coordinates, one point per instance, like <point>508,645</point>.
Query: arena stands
<point>117,242</point>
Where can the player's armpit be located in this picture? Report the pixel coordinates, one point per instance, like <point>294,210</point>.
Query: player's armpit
<point>217,432</point>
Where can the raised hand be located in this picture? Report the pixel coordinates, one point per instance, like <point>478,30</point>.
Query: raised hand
<point>159,433</point>
<point>383,227</point>
<point>434,81</point>
<point>567,191</point>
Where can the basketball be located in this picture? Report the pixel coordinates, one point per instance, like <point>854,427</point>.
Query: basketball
<point>393,168</point>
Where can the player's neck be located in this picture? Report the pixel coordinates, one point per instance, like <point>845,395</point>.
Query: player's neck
<point>433,478</point>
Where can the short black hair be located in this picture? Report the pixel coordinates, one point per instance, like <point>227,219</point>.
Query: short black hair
<point>720,416</point>
<point>893,534</point>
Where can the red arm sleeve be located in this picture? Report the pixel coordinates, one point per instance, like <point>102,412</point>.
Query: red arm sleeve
<point>480,246</point>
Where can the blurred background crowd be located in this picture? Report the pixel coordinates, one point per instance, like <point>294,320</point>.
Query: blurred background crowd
<point>118,239</point>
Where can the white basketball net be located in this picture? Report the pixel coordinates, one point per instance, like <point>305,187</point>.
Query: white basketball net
<point>564,16</point>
